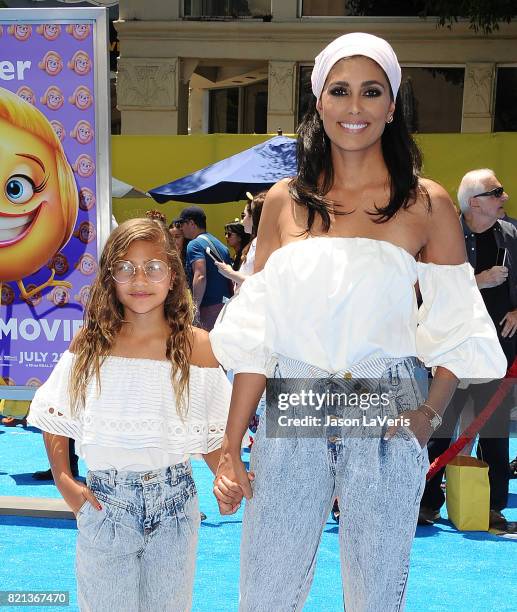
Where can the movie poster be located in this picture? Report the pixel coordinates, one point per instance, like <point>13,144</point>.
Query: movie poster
<point>50,196</point>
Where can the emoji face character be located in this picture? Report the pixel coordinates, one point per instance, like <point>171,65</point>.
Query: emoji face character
<point>20,31</point>
<point>82,98</point>
<point>83,295</point>
<point>60,296</point>
<point>85,232</point>
<point>80,63</point>
<point>59,129</point>
<point>50,31</point>
<point>86,199</point>
<point>84,166</point>
<point>38,196</point>
<point>7,295</point>
<point>79,31</point>
<point>82,132</point>
<point>36,298</point>
<point>53,98</point>
<point>51,63</point>
<point>59,263</point>
<point>87,264</point>
<point>26,93</point>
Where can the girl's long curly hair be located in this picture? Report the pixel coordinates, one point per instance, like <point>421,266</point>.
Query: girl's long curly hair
<point>104,315</point>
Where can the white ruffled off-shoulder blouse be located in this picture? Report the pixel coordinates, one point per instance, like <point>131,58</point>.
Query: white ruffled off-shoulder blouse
<point>132,424</point>
<point>334,302</point>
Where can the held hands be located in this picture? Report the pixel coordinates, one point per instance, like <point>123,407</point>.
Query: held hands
<point>76,493</point>
<point>419,425</point>
<point>510,324</point>
<point>493,277</point>
<point>232,483</point>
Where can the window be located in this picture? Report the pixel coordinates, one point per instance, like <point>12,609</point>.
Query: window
<point>506,100</point>
<point>324,8</point>
<point>239,110</point>
<point>225,8</point>
<point>305,95</point>
<point>224,111</point>
<point>255,109</point>
<point>432,99</point>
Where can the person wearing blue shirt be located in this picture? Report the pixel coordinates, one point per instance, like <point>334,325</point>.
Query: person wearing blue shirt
<point>209,288</point>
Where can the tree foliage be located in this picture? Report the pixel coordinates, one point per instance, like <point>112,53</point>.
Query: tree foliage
<point>484,15</point>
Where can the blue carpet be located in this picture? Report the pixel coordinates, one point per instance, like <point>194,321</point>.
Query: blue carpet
<point>451,571</point>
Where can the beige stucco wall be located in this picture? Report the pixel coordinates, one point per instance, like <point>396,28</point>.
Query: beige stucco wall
<point>159,53</point>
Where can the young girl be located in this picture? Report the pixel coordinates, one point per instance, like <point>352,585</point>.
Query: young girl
<point>140,392</point>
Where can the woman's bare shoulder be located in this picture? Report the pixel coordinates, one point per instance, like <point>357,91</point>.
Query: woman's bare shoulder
<point>445,243</point>
<point>202,354</point>
<point>440,200</point>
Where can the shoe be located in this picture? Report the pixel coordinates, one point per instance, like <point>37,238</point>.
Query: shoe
<point>12,422</point>
<point>497,520</point>
<point>203,516</point>
<point>335,511</point>
<point>428,516</point>
<point>513,468</point>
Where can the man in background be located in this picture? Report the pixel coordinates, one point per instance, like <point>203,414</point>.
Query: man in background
<point>209,288</point>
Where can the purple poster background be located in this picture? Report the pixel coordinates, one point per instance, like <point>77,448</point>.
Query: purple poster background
<point>60,82</point>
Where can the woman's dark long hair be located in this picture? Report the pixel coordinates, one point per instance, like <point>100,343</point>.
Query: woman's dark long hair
<point>255,211</point>
<point>316,176</point>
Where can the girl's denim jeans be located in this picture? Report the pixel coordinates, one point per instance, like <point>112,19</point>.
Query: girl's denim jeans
<point>138,553</point>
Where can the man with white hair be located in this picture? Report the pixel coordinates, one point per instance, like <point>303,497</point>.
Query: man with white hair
<point>492,251</point>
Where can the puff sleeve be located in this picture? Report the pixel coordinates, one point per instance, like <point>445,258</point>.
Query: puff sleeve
<point>454,328</point>
<point>238,337</point>
<point>50,408</point>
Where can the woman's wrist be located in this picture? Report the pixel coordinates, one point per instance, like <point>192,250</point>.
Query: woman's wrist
<point>434,417</point>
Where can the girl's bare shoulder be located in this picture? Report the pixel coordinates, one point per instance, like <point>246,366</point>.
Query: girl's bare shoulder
<point>202,354</point>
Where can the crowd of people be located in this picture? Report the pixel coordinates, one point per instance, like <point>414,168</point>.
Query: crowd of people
<point>356,272</point>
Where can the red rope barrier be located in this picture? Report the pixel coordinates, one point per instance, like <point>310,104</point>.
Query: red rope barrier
<point>471,431</point>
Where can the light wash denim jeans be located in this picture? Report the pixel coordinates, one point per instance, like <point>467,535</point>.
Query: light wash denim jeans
<point>379,484</point>
<point>138,553</point>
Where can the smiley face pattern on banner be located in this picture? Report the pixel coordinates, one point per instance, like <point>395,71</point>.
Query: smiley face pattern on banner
<point>51,66</point>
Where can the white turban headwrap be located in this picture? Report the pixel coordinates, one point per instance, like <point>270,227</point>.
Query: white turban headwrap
<point>357,43</point>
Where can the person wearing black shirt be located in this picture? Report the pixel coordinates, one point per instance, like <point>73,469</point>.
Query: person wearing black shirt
<point>482,197</point>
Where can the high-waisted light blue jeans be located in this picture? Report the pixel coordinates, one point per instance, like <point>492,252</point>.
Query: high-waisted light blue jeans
<point>379,484</point>
<point>138,553</point>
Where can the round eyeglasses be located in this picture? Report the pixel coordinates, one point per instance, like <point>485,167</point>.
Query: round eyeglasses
<point>155,270</point>
<point>497,193</point>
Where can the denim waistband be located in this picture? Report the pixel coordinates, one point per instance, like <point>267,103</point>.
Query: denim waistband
<point>169,474</point>
<point>286,367</point>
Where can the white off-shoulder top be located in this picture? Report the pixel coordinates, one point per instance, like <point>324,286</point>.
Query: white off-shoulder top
<point>334,302</point>
<point>132,424</point>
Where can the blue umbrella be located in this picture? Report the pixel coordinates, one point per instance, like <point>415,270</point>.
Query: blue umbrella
<point>228,180</point>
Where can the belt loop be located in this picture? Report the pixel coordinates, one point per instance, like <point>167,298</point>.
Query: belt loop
<point>112,474</point>
<point>394,375</point>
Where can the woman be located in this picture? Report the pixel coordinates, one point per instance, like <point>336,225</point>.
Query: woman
<point>250,222</point>
<point>180,242</point>
<point>333,300</point>
<point>236,238</point>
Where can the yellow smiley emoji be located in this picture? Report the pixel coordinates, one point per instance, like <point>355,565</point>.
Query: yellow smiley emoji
<point>38,194</point>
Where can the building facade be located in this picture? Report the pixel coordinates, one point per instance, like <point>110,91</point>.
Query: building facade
<point>243,66</point>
